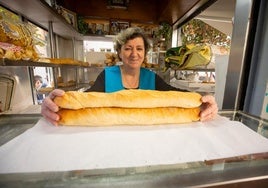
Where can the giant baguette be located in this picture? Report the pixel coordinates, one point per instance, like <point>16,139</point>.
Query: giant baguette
<point>129,99</point>
<point>127,116</point>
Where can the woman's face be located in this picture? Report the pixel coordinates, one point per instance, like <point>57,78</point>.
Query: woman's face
<point>133,52</point>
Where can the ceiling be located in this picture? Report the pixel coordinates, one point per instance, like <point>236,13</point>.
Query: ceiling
<point>176,12</point>
<point>141,11</point>
<point>137,11</point>
<point>217,13</point>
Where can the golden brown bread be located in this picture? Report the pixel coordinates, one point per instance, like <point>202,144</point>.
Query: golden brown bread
<point>128,107</point>
<point>127,116</point>
<point>129,99</point>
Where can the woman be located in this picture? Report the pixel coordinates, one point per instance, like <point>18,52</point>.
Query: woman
<point>131,46</point>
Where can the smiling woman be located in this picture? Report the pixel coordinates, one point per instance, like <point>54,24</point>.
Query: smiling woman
<point>131,46</point>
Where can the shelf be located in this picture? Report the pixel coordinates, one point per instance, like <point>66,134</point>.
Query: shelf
<point>79,87</point>
<point>201,70</point>
<point>40,13</point>
<point>196,69</point>
<point>193,86</point>
<point>8,62</point>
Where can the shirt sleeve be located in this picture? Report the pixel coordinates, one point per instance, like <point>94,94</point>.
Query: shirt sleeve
<point>161,85</point>
<point>99,84</point>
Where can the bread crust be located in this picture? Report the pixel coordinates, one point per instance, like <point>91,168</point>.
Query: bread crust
<point>110,116</point>
<point>129,99</point>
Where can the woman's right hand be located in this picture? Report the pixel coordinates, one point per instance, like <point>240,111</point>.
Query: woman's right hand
<point>49,108</point>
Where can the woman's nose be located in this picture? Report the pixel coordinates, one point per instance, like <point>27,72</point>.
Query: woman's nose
<point>134,52</point>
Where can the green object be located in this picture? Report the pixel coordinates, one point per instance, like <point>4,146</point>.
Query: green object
<point>185,58</point>
<point>82,25</point>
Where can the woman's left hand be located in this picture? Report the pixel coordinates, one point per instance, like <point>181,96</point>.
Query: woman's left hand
<point>209,108</point>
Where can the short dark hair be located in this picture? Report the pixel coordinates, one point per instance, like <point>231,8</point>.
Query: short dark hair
<point>128,34</point>
<point>38,78</point>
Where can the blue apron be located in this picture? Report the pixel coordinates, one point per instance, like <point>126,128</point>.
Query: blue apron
<point>113,79</point>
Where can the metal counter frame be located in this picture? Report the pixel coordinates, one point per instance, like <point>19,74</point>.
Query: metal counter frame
<point>247,171</point>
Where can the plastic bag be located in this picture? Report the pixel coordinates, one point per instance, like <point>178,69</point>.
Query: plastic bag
<point>188,57</point>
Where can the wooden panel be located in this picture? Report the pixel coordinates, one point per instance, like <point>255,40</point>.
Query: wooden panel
<point>138,10</point>
<point>142,11</point>
<point>176,9</point>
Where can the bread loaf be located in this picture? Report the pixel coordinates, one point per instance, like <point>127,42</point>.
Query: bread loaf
<point>128,107</point>
<point>109,116</point>
<point>129,99</point>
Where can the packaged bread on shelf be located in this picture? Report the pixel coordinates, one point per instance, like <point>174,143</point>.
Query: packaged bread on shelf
<point>63,61</point>
<point>17,42</point>
<point>66,61</point>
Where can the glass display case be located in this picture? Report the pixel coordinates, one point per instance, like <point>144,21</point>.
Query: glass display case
<point>242,171</point>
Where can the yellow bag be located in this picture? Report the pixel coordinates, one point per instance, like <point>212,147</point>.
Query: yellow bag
<point>193,57</point>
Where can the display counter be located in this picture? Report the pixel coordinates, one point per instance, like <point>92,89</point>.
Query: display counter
<point>247,170</point>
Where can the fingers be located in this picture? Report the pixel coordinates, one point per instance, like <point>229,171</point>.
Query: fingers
<point>56,93</point>
<point>209,108</point>
<point>208,113</point>
<point>208,98</point>
<point>48,102</point>
<point>49,108</point>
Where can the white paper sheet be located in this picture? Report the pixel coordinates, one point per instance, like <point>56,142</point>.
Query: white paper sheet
<point>48,148</point>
